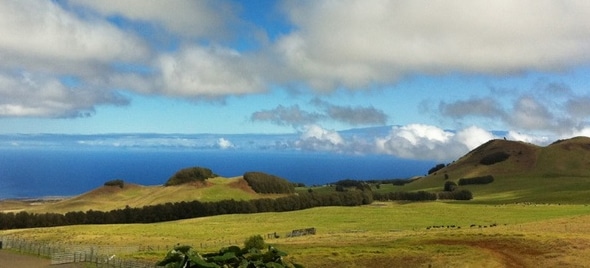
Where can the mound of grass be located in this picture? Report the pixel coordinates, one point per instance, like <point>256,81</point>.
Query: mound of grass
<point>188,175</point>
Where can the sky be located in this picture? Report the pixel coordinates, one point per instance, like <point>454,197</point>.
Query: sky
<point>441,77</point>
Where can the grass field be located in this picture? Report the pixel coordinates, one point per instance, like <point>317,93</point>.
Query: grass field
<point>534,214</point>
<point>390,234</point>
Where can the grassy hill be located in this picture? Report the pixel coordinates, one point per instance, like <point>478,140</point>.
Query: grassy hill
<point>108,198</point>
<point>556,173</point>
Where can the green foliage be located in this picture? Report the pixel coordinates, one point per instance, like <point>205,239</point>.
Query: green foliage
<point>477,180</point>
<point>233,256</point>
<point>117,182</point>
<point>185,210</point>
<point>462,195</point>
<point>187,175</point>
<point>407,196</point>
<point>450,186</point>
<point>494,158</point>
<point>436,168</point>
<point>455,195</point>
<point>255,241</point>
<point>263,183</point>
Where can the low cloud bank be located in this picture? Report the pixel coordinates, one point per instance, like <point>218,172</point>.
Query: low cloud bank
<point>414,141</point>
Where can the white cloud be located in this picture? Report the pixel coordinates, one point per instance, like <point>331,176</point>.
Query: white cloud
<point>204,18</point>
<point>418,141</point>
<point>208,72</point>
<point>41,43</point>
<point>319,133</point>
<point>534,139</point>
<point>223,143</point>
<point>41,36</point>
<point>30,95</point>
<point>473,136</point>
<point>529,114</point>
<point>316,138</point>
<point>583,131</point>
<point>359,43</point>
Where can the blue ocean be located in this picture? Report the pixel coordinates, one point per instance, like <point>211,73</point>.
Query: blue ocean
<point>39,172</point>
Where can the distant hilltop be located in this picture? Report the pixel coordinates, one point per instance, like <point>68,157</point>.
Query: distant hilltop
<point>520,171</point>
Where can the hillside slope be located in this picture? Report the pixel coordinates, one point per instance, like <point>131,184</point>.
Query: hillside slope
<point>108,198</point>
<point>523,172</point>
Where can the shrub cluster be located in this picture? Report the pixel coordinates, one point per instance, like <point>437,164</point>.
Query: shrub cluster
<point>476,180</point>
<point>494,158</point>
<point>187,175</point>
<point>406,196</point>
<point>455,195</point>
<point>263,183</point>
<point>361,184</point>
<point>233,256</point>
<point>450,186</point>
<point>117,182</point>
<point>436,168</point>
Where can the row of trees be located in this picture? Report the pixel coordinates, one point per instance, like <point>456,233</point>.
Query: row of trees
<point>362,184</point>
<point>423,196</point>
<point>184,210</point>
<point>476,180</point>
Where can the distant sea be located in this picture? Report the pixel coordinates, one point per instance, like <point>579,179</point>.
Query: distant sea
<point>37,172</point>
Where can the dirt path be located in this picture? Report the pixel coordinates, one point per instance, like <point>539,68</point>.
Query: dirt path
<point>13,259</point>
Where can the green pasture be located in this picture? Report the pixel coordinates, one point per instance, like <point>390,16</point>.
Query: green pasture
<point>357,233</point>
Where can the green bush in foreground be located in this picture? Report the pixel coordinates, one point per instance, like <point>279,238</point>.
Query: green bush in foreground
<point>255,241</point>
<point>233,256</point>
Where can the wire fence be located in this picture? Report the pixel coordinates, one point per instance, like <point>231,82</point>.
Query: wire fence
<point>98,256</point>
<point>109,256</point>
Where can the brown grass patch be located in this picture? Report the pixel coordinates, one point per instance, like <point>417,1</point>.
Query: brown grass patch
<point>241,184</point>
<point>525,252</point>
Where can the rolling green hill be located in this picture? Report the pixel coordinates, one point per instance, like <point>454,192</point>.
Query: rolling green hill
<point>107,198</point>
<point>523,172</point>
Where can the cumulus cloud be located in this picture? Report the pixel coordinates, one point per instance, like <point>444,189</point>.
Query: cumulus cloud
<point>418,141</point>
<point>356,44</point>
<point>352,115</point>
<point>297,117</point>
<point>583,131</point>
<point>286,116</point>
<point>485,107</point>
<point>28,95</point>
<point>205,18</point>
<point>530,114</point>
<point>578,107</point>
<point>316,138</point>
<point>210,72</point>
<point>328,45</point>
<point>534,139</point>
<point>42,36</point>
<point>549,107</point>
<point>223,143</point>
<point>41,43</point>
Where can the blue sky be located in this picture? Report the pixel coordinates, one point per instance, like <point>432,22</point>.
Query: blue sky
<point>440,74</point>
